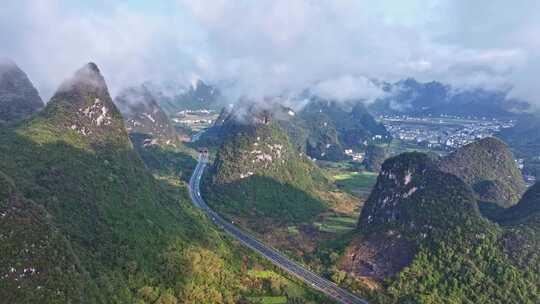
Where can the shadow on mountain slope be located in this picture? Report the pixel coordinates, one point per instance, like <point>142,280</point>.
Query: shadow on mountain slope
<point>257,197</point>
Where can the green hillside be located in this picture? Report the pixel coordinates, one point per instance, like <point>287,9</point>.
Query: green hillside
<point>322,129</point>
<point>414,196</point>
<point>423,240</point>
<point>489,168</point>
<point>331,129</point>
<point>527,209</point>
<point>38,263</point>
<point>258,173</point>
<point>480,262</point>
<point>18,97</point>
<point>83,221</point>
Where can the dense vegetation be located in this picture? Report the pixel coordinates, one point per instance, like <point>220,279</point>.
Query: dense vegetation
<point>375,157</point>
<point>36,259</point>
<point>322,129</point>
<point>258,173</point>
<point>469,265</point>
<point>480,262</point>
<point>18,97</point>
<point>413,196</point>
<point>82,220</point>
<point>527,208</point>
<point>331,129</point>
<point>458,256</point>
<point>116,219</point>
<point>489,168</point>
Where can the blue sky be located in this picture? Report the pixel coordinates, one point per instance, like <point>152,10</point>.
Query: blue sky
<point>268,47</point>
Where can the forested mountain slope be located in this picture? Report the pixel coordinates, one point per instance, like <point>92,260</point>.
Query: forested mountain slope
<point>18,97</point>
<point>84,221</point>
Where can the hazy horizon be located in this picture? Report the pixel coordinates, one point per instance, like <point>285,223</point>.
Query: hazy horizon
<point>266,48</point>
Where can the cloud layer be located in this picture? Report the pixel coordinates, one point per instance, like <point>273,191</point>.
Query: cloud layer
<point>272,47</point>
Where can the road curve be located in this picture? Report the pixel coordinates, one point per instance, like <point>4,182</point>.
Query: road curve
<point>278,259</point>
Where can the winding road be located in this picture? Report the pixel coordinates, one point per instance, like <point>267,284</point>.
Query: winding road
<point>277,258</point>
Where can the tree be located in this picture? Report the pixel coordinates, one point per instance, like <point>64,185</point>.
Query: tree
<point>375,156</point>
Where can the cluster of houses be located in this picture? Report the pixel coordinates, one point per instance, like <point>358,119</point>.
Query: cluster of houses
<point>191,118</point>
<point>356,156</point>
<point>442,133</point>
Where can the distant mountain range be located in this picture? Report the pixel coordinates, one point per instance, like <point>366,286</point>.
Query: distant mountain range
<point>411,97</point>
<point>176,98</point>
<point>524,138</point>
<point>404,97</point>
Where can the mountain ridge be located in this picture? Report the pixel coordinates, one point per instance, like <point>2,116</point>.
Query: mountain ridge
<point>18,96</point>
<point>411,97</point>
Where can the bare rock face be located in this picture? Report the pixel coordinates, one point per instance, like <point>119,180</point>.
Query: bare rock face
<point>18,97</point>
<point>145,117</point>
<point>379,256</point>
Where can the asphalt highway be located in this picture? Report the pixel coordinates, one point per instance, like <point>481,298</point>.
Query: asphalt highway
<point>325,286</point>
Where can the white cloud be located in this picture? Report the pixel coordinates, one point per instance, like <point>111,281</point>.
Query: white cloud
<point>267,47</point>
<point>50,42</point>
<point>347,88</point>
